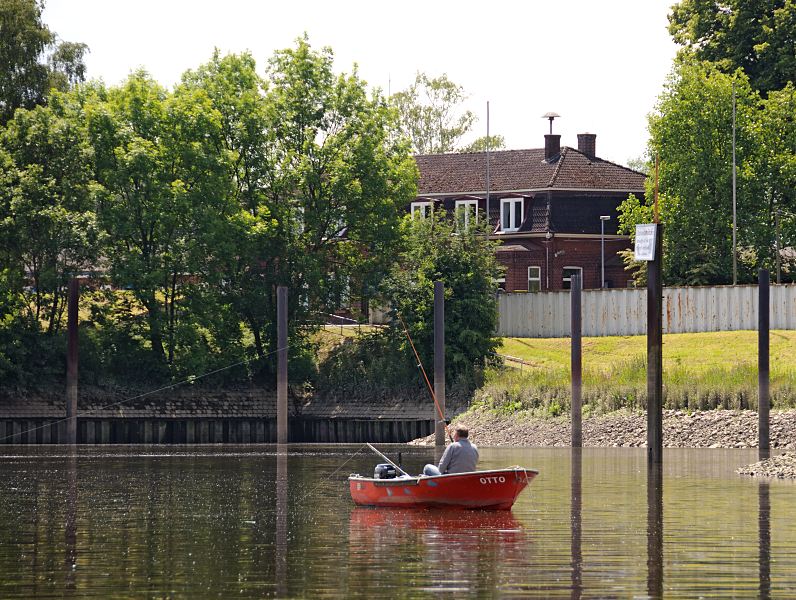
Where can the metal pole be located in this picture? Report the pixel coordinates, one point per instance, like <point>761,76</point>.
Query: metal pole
<point>576,361</point>
<point>777,245</point>
<point>655,352</point>
<point>71,361</point>
<point>764,400</point>
<point>734,219</point>
<point>281,365</point>
<point>439,358</point>
<point>488,222</point>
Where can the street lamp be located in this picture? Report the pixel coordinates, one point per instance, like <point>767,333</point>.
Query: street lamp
<point>603,219</point>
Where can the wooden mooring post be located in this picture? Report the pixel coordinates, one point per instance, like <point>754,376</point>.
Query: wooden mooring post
<point>439,360</point>
<point>655,351</point>
<point>281,365</point>
<point>576,362</point>
<point>73,300</point>
<point>763,372</point>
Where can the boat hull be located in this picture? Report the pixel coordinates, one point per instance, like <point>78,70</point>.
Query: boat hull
<point>496,489</point>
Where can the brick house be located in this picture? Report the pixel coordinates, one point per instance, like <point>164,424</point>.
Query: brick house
<point>545,206</point>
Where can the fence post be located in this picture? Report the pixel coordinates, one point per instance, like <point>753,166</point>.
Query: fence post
<point>764,400</point>
<point>576,361</point>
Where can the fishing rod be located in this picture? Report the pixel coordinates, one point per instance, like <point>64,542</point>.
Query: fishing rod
<point>387,459</point>
<point>428,383</point>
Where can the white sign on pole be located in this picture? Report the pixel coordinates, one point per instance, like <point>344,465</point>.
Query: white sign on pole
<point>645,242</point>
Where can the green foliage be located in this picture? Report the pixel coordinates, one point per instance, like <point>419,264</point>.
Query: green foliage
<point>25,76</point>
<point>691,132</point>
<point>195,204</point>
<point>496,142</point>
<point>48,227</point>
<point>754,35</point>
<point>430,114</point>
<point>436,249</point>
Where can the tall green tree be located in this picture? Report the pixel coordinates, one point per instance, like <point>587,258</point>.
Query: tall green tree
<point>691,133</point>
<point>165,183</point>
<point>320,180</point>
<point>431,116</point>
<point>758,36</point>
<point>439,249</point>
<point>32,59</point>
<point>47,219</point>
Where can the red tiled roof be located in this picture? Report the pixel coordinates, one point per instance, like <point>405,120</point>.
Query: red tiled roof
<point>511,170</point>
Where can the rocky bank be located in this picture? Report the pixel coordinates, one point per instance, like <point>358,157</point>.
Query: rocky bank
<point>704,429</point>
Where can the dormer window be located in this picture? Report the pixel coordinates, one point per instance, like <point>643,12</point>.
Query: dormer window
<point>466,213</point>
<point>421,209</point>
<point>511,210</point>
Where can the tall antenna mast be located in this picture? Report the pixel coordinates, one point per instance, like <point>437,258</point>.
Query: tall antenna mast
<point>488,221</point>
<point>734,218</point>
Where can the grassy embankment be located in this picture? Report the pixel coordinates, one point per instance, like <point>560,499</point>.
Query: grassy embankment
<point>701,371</point>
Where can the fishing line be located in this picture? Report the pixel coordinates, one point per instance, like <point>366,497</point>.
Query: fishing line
<point>325,479</point>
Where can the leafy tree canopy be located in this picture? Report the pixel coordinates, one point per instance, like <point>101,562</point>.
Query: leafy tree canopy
<point>496,142</point>
<point>32,60</point>
<point>431,116</point>
<point>758,36</point>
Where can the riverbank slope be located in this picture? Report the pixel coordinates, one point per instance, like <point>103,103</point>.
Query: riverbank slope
<point>681,429</point>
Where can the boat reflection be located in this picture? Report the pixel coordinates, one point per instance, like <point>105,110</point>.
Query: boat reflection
<point>370,522</point>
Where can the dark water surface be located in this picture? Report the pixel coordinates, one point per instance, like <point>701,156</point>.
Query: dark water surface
<point>226,521</point>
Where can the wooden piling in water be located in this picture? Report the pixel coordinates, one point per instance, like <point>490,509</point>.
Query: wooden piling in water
<point>439,360</point>
<point>71,360</point>
<point>763,371</point>
<point>655,351</point>
<point>281,377</point>
<point>576,362</point>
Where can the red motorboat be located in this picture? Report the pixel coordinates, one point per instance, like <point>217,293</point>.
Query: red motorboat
<point>496,489</point>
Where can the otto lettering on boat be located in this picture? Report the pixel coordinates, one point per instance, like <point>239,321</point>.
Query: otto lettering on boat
<point>486,480</point>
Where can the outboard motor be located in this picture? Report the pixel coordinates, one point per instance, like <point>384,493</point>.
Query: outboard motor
<point>385,471</point>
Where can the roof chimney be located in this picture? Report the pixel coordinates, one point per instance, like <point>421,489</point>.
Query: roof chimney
<point>587,143</point>
<point>552,146</point>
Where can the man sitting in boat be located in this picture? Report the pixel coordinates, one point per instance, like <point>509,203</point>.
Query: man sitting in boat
<point>460,457</point>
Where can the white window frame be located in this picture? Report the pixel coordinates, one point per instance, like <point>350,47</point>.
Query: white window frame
<point>512,225</point>
<point>423,208</point>
<point>537,278</point>
<point>466,204</point>
<point>567,281</point>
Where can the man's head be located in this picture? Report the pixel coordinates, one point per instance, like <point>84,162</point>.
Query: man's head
<point>461,432</point>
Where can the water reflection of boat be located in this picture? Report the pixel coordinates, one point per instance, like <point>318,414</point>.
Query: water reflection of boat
<point>367,519</point>
<point>496,489</point>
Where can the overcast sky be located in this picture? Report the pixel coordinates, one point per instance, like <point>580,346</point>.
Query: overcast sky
<point>600,65</point>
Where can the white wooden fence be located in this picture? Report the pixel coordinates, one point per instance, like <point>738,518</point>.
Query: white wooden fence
<point>624,311</point>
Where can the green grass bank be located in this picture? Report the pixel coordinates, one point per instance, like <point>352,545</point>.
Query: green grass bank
<point>701,371</point>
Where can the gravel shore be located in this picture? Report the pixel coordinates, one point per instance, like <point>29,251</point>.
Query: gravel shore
<point>703,429</point>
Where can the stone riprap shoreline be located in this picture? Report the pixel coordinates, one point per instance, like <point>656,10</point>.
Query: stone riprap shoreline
<point>782,466</point>
<point>702,429</point>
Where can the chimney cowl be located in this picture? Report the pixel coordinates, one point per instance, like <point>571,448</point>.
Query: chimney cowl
<point>587,143</point>
<point>552,146</point>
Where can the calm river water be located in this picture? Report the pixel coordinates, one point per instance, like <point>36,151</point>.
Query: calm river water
<point>224,521</point>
